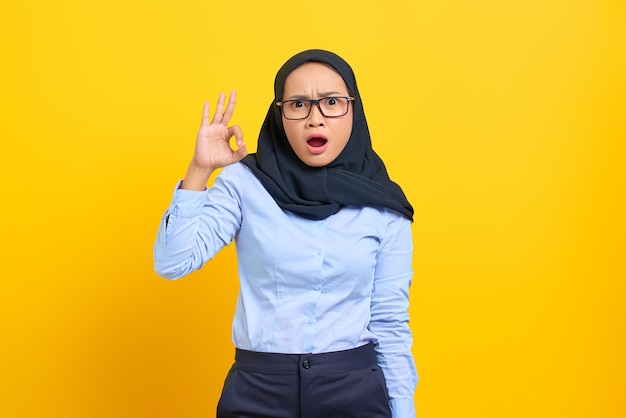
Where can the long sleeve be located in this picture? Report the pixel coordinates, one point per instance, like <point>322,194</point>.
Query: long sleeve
<point>389,321</point>
<point>196,226</point>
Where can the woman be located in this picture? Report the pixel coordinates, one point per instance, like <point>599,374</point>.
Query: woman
<point>324,247</point>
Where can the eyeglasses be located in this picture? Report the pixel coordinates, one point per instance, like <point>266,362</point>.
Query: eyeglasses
<point>330,107</point>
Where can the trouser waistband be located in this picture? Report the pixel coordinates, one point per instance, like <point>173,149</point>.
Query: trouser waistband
<point>322,363</point>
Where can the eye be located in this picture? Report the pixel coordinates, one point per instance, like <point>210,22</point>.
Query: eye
<point>297,104</point>
<point>331,101</point>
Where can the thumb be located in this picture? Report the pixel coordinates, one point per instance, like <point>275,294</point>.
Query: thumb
<point>241,146</point>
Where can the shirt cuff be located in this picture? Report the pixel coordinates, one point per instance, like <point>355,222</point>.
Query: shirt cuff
<point>402,408</point>
<point>187,203</point>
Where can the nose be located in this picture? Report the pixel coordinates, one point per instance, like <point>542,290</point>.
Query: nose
<point>315,116</point>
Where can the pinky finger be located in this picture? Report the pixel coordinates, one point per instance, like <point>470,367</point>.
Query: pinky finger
<point>205,113</point>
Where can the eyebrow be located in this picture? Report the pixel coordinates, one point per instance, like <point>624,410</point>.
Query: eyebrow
<point>305,97</point>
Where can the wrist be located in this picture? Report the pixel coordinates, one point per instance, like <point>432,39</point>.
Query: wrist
<point>196,177</point>
<point>200,169</point>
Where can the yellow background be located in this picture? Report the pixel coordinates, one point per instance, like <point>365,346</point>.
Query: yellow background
<point>502,120</point>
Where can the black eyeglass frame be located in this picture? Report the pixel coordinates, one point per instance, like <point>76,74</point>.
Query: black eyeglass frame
<point>317,103</point>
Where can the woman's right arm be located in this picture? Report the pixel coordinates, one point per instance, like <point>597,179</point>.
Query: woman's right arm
<point>200,222</point>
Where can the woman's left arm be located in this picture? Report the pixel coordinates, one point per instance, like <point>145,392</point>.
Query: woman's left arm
<point>390,317</point>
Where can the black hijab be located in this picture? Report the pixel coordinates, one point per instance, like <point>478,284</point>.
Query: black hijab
<point>357,177</point>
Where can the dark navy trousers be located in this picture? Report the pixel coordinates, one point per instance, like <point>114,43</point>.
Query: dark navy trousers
<point>341,384</point>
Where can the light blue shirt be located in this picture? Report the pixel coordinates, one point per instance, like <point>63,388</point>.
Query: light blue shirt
<point>305,286</point>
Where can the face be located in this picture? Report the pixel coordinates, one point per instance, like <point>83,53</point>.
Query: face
<point>317,140</point>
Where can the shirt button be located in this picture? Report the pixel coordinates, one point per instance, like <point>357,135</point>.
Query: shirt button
<point>306,364</point>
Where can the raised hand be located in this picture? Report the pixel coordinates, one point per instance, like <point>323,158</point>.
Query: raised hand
<point>213,148</point>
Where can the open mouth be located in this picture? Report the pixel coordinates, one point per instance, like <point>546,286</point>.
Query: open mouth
<point>316,142</point>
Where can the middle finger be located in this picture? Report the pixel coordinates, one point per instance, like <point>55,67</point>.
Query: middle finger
<point>230,109</point>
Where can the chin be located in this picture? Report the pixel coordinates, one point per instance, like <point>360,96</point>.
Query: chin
<point>316,162</point>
